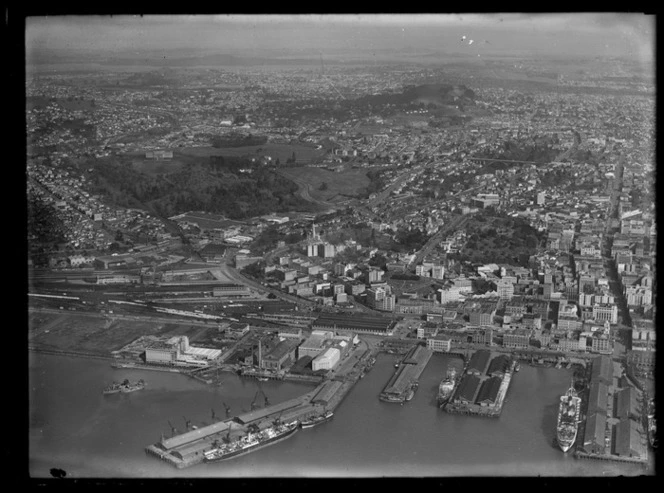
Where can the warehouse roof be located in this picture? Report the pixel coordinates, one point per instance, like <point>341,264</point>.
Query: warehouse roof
<point>193,448</point>
<point>468,388</point>
<point>479,360</point>
<point>354,322</point>
<point>326,392</point>
<point>405,378</point>
<point>416,355</point>
<point>597,398</point>
<point>190,436</point>
<point>602,369</point>
<point>267,411</point>
<point>595,427</point>
<point>499,363</point>
<point>627,403</point>
<point>489,390</point>
<point>628,440</point>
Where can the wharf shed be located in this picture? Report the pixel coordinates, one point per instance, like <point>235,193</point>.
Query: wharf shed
<point>263,413</point>
<point>489,391</point>
<point>467,389</point>
<point>499,366</point>
<point>326,392</point>
<point>193,449</point>
<point>628,440</point>
<point>479,362</point>
<point>602,369</point>
<point>416,355</point>
<point>294,413</point>
<point>191,436</point>
<point>355,323</point>
<point>406,375</point>
<point>593,440</point>
<point>597,398</point>
<point>627,404</point>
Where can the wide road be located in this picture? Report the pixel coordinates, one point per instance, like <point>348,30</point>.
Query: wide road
<point>233,274</point>
<point>453,224</point>
<point>305,191</point>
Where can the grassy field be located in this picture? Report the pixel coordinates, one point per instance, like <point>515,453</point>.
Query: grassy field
<point>339,185</point>
<point>85,333</point>
<point>421,287</point>
<point>276,151</point>
<point>194,155</point>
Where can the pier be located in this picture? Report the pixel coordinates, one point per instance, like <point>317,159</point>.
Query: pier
<point>189,448</point>
<point>406,375</point>
<point>475,396</point>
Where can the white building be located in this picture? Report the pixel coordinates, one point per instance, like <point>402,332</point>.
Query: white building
<point>439,344</point>
<point>326,360</point>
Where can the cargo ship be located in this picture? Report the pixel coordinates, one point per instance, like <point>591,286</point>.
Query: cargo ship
<point>446,386</point>
<point>316,420</point>
<point>252,441</point>
<point>568,419</point>
<point>125,386</point>
<point>652,424</point>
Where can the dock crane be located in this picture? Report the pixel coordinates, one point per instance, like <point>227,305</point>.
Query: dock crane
<point>213,415</point>
<point>227,437</point>
<point>253,403</point>
<point>228,410</point>
<point>267,401</point>
<point>173,429</point>
<point>186,422</point>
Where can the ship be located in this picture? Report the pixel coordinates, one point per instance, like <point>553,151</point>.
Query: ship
<point>652,424</point>
<point>252,442</point>
<point>125,386</point>
<point>446,386</point>
<point>316,420</point>
<point>568,419</point>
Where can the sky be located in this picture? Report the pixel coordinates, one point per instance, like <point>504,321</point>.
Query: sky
<point>592,34</point>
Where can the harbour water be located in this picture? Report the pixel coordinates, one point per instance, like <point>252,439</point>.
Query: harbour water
<point>75,428</point>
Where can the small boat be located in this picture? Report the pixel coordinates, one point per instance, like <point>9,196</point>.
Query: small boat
<point>316,420</point>
<point>263,379</point>
<point>125,386</point>
<point>517,367</point>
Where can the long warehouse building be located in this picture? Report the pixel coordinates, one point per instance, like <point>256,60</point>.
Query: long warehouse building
<point>354,323</point>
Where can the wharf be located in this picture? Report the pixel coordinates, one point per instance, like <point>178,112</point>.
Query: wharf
<point>188,449</point>
<point>611,457</point>
<point>406,375</point>
<point>487,411</point>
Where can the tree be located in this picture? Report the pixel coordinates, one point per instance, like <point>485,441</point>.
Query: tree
<point>323,186</point>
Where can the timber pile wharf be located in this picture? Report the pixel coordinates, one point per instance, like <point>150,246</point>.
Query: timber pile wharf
<point>474,397</point>
<point>579,454</point>
<point>188,449</point>
<point>406,375</point>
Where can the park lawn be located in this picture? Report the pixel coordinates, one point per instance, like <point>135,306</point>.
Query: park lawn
<point>276,151</point>
<point>349,183</point>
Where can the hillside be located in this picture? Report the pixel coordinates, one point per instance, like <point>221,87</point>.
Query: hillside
<point>223,190</point>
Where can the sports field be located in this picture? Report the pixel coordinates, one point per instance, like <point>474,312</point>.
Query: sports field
<point>340,186</point>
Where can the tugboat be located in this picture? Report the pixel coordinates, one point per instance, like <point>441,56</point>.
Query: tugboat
<point>316,420</point>
<point>125,386</point>
<point>568,419</point>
